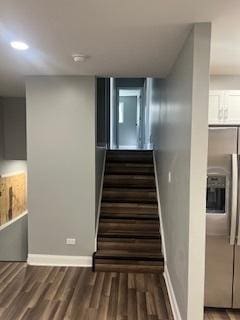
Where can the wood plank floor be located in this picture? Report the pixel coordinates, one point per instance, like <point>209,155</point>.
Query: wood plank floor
<point>221,314</point>
<point>57,293</point>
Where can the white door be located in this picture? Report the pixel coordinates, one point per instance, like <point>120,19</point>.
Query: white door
<point>129,116</point>
<point>216,104</point>
<point>231,112</point>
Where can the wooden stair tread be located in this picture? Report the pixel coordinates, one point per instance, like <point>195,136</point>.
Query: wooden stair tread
<point>129,237</point>
<point>130,216</point>
<point>126,221</point>
<point>130,190</point>
<point>136,268</point>
<point>119,192</point>
<point>129,240</point>
<point>129,244</point>
<point>130,206</point>
<point>129,195</point>
<point>129,181</point>
<point>130,164</point>
<point>126,227</point>
<point>123,254</point>
<point>126,156</point>
<point>130,234</point>
<point>129,209</point>
<point>129,176</point>
<point>129,168</point>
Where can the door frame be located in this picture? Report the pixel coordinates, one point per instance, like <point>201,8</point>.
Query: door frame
<point>140,116</point>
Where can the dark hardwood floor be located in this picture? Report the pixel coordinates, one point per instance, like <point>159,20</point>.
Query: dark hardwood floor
<point>221,314</point>
<point>57,293</point>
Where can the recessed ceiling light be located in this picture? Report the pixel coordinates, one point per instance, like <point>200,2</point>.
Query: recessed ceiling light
<point>19,45</point>
<point>79,57</point>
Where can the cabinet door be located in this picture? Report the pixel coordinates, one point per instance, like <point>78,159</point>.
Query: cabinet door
<point>231,110</point>
<point>216,101</point>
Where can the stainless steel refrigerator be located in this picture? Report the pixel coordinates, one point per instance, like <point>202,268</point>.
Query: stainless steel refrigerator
<point>222,278</point>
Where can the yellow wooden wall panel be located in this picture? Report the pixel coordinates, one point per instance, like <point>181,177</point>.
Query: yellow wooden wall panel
<point>13,197</point>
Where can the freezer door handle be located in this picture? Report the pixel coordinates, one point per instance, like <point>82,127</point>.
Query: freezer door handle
<point>233,224</point>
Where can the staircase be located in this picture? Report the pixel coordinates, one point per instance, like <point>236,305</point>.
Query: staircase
<point>128,235</point>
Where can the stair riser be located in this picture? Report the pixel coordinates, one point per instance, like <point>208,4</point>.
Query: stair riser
<point>128,265</point>
<point>121,196</point>
<point>130,216</point>
<point>105,245</point>
<point>128,268</point>
<point>128,170</point>
<point>110,224</point>
<point>127,183</point>
<point>134,235</point>
<point>130,158</point>
<point>116,208</point>
<point>127,227</point>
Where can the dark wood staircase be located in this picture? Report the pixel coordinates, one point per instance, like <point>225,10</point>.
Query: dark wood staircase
<point>129,232</point>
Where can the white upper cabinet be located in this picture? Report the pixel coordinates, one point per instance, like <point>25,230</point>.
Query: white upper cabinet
<point>232,107</point>
<point>215,111</point>
<point>224,107</point>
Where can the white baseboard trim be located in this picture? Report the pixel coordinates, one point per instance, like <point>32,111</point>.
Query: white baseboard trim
<point>172,298</point>
<point>59,261</point>
<point>159,210</point>
<point>100,199</point>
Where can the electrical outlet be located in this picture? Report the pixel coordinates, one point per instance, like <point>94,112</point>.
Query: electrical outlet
<point>169,177</point>
<point>71,241</point>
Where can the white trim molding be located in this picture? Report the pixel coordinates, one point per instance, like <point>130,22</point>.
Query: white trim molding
<point>59,261</point>
<point>172,298</point>
<point>159,210</point>
<point>7,224</point>
<point>100,199</point>
<point>6,175</point>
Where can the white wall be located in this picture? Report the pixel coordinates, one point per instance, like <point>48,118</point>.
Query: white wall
<point>61,164</point>
<point>225,82</point>
<point>179,134</point>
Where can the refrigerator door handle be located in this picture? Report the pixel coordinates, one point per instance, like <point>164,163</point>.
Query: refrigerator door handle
<point>234,199</point>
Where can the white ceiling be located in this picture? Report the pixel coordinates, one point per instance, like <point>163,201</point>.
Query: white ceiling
<point>123,38</point>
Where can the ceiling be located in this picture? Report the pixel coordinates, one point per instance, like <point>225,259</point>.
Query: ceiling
<point>123,38</point>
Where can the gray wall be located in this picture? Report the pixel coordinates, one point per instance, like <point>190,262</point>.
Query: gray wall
<point>103,111</point>
<point>130,82</point>
<point>224,82</point>
<point>113,111</point>
<point>102,130</point>
<point>99,163</point>
<point>13,241</point>
<point>102,133</point>
<point>61,164</point>
<point>14,111</point>
<point>180,142</point>
<point>12,135</point>
<point>13,238</point>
